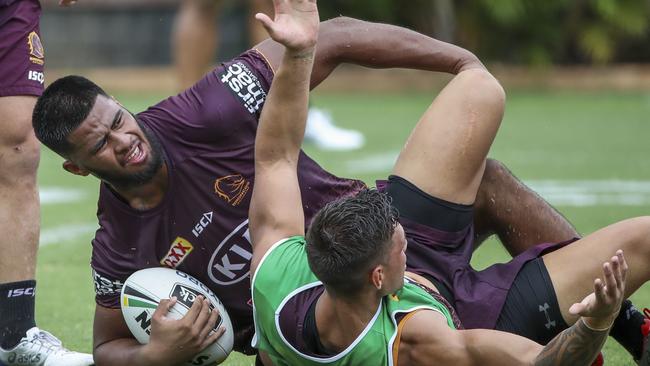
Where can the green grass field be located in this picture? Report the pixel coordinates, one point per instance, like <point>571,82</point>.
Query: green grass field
<point>587,151</point>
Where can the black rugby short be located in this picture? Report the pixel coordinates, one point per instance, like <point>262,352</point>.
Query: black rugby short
<point>424,209</point>
<point>418,206</point>
<point>531,308</point>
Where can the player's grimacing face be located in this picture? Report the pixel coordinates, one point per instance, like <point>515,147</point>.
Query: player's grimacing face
<point>111,145</point>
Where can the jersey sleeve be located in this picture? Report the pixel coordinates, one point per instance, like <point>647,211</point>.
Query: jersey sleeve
<point>110,268</point>
<point>107,289</point>
<point>107,281</point>
<point>222,109</point>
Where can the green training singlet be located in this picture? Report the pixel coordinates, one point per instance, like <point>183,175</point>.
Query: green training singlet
<point>284,272</point>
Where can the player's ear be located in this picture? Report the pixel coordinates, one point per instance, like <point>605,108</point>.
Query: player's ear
<point>75,169</point>
<point>377,277</point>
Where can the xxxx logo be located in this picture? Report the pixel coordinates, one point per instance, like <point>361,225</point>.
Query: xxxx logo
<point>179,250</point>
<point>232,188</point>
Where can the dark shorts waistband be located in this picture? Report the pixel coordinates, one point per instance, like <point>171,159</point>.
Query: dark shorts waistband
<point>425,209</point>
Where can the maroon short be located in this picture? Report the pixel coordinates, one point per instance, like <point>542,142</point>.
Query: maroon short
<point>444,256</point>
<point>21,51</point>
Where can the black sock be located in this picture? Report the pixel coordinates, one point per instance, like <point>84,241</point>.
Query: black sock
<point>16,311</point>
<point>627,329</point>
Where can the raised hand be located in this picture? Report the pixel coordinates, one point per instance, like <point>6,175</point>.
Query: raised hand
<point>603,304</point>
<point>295,24</point>
<point>177,340</point>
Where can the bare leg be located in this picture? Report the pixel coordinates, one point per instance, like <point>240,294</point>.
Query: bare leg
<point>194,40</point>
<point>573,268</point>
<point>516,214</point>
<point>19,217</point>
<point>445,154</point>
<point>19,203</point>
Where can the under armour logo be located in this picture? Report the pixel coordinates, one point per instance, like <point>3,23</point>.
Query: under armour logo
<point>631,310</point>
<point>549,323</point>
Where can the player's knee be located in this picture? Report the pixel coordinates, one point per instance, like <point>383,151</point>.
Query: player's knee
<point>642,231</point>
<point>19,158</point>
<point>494,169</point>
<point>495,178</point>
<point>484,89</point>
<point>635,236</point>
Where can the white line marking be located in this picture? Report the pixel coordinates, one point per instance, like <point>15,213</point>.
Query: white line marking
<point>54,195</point>
<point>573,193</point>
<point>63,233</point>
<point>373,163</point>
<point>584,193</point>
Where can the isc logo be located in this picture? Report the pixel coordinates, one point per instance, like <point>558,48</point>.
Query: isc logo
<point>36,76</point>
<point>205,220</point>
<point>21,292</point>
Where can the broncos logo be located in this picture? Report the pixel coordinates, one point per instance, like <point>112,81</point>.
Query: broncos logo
<point>232,188</point>
<point>36,51</point>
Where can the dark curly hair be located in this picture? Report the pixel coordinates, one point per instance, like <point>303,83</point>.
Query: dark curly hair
<point>349,236</point>
<point>61,109</point>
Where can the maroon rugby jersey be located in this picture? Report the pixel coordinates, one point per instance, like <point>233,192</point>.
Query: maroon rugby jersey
<point>201,226</point>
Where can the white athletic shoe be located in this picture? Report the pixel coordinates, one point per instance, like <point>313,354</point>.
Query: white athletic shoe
<point>325,135</point>
<point>41,348</point>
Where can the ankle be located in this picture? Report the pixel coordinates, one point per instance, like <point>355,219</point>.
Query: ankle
<point>16,311</point>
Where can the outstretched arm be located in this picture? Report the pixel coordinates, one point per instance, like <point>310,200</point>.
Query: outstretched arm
<point>276,207</point>
<point>427,337</point>
<point>349,40</point>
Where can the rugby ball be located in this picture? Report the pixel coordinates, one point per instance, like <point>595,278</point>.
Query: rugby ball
<point>144,289</point>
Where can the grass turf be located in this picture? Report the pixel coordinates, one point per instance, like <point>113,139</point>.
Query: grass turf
<point>562,136</point>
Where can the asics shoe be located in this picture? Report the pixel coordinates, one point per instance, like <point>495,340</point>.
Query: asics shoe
<point>40,348</point>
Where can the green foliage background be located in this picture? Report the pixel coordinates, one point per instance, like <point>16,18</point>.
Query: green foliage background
<point>534,32</point>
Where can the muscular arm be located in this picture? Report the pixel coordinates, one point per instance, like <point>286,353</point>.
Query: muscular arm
<point>171,342</point>
<point>276,206</point>
<point>348,40</point>
<point>427,337</point>
<point>113,343</point>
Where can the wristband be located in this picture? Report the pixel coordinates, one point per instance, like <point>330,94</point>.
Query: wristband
<point>597,329</point>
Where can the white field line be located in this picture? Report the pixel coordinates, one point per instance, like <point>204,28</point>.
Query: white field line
<point>372,164</point>
<point>572,193</point>
<point>583,193</point>
<point>54,195</point>
<point>63,233</point>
